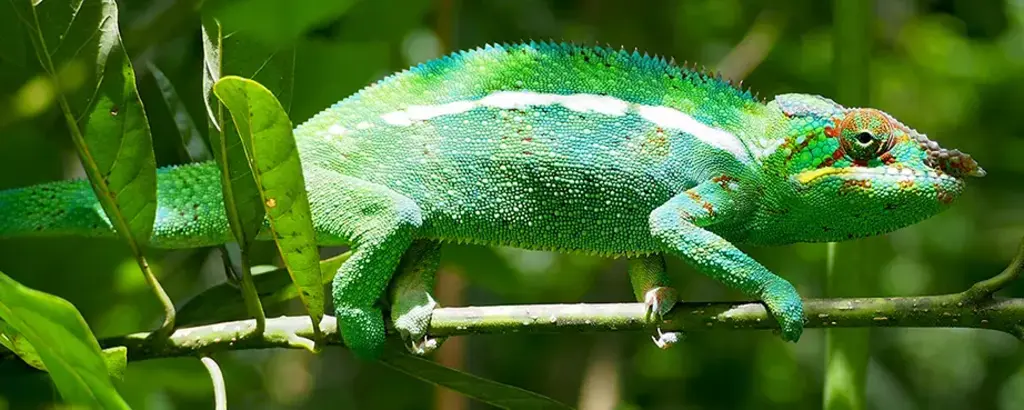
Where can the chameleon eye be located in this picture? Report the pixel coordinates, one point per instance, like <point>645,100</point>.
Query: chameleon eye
<point>865,134</point>
<point>864,137</point>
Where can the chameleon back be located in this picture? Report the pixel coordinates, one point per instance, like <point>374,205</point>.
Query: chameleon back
<point>499,145</point>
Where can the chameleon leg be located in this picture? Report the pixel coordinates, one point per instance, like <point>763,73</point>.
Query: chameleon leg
<point>380,224</point>
<point>410,295</point>
<point>677,224</point>
<point>650,286</point>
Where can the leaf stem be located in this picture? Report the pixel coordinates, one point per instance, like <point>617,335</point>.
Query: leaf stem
<point>252,299</point>
<point>220,395</point>
<point>169,312</point>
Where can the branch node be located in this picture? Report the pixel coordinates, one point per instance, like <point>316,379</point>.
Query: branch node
<point>983,290</point>
<point>296,341</point>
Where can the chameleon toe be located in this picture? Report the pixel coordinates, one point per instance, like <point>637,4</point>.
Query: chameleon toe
<point>424,346</point>
<point>658,302</point>
<point>362,331</point>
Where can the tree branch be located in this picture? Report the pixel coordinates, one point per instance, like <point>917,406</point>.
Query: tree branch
<point>999,314</point>
<point>973,308</point>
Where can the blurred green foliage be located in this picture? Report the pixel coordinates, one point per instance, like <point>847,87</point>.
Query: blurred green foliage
<point>953,69</point>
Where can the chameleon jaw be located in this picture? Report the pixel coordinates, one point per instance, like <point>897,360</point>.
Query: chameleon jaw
<point>807,177</point>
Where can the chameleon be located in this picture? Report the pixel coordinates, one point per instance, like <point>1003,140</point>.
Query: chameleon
<point>566,148</point>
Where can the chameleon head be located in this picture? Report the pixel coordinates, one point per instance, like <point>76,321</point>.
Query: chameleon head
<point>854,172</point>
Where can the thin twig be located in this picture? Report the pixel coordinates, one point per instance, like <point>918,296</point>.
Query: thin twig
<point>986,288</point>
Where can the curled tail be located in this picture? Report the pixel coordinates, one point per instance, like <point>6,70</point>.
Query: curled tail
<point>190,209</point>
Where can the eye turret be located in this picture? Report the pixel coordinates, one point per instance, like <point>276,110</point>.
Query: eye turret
<point>865,134</point>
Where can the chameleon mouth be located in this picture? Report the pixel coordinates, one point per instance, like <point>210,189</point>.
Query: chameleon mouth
<point>886,172</point>
<point>953,162</point>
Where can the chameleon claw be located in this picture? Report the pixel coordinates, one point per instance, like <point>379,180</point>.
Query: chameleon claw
<point>424,346</point>
<point>665,340</point>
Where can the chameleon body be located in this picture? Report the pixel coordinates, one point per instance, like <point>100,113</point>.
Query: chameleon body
<point>565,148</point>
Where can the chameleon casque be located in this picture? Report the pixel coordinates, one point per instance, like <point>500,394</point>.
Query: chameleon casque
<point>566,148</point>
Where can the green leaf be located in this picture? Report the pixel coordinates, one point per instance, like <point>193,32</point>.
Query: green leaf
<point>193,143</point>
<point>488,391</point>
<point>266,134</point>
<point>241,196</point>
<point>78,44</point>
<point>116,360</point>
<point>223,302</point>
<point>15,342</point>
<point>62,341</point>
<point>228,51</point>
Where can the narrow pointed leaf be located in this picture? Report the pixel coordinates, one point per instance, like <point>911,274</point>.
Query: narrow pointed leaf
<point>15,342</point>
<point>232,51</point>
<point>266,133</point>
<point>193,143</point>
<point>78,44</point>
<point>62,341</point>
<point>488,391</point>
<point>223,302</point>
<point>241,196</point>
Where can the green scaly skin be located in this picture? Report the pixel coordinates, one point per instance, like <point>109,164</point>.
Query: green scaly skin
<point>565,148</point>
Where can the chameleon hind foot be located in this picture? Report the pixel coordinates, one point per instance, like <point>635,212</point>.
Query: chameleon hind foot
<point>412,304</point>
<point>657,303</point>
<point>650,286</point>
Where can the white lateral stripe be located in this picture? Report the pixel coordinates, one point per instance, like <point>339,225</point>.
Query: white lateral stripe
<point>668,117</point>
<point>601,104</point>
<point>399,118</point>
<point>426,112</point>
<point>665,117</point>
<point>507,100</point>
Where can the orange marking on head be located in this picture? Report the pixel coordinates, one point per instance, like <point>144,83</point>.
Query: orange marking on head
<point>851,185</point>
<point>807,141</point>
<point>838,154</point>
<point>832,131</point>
<point>887,158</point>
